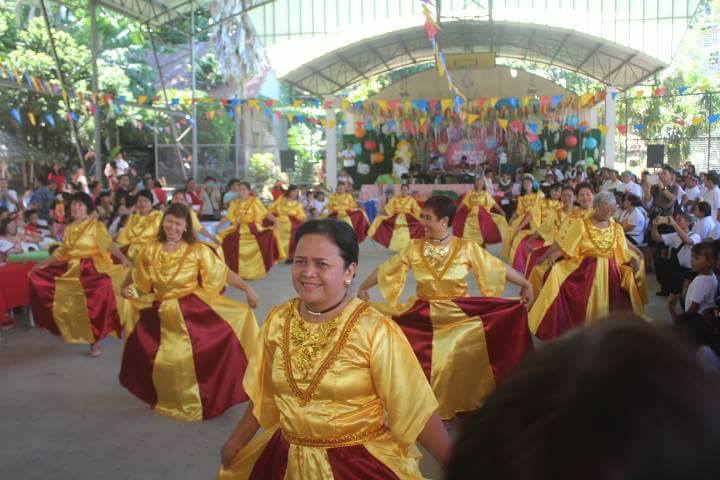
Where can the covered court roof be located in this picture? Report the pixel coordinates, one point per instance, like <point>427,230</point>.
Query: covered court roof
<point>597,58</point>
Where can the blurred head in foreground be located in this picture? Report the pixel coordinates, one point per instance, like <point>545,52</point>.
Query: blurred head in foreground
<point>612,401</point>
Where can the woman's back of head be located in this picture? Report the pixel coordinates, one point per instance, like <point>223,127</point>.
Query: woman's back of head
<point>615,400</point>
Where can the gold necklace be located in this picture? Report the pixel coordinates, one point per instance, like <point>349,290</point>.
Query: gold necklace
<point>309,342</point>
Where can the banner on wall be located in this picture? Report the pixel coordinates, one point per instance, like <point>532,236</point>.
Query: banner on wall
<point>475,150</point>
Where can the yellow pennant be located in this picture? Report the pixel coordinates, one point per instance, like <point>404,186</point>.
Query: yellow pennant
<point>31,117</point>
<point>503,123</point>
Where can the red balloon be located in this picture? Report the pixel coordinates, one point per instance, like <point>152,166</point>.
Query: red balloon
<point>370,145</point>
<point>571,141</point>
<point>561,154</point>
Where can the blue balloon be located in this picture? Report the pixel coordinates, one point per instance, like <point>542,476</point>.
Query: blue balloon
<point>490,143</point>
<point>590,143</point>
<point>536,146</point>
<point>357,148</point>
<point>572,121</point>
<point>369,126</point>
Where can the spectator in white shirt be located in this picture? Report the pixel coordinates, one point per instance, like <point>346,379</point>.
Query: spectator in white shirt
<point>318,205</point>
<point>712,195</point>
<point>671,271</point>
<point>345,178</point>
<point>8,198</point>
<point>704,224</point>
<point>692,190</point>
<point>612,183</point>
<point>703,289</point>
<point>629,185</point>
<point>633,219</point>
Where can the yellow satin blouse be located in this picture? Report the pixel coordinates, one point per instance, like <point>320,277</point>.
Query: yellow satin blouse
<point>530,204</point>
<point>552,223</point>
<point>475,199</point>
<point>442,274</point>
<point>175,274</point>
<point>341,203</point>
<point>285,207</point>
<point>583,239</point>
<point>86,239</point>
<point>139,230</point>
<point>244,212</point>
<point>364,379</point>
<point>399,204</point>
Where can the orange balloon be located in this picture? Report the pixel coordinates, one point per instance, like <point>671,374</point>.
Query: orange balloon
<point>378,157</point>
<point>561,154</point>
<point>359,132</point>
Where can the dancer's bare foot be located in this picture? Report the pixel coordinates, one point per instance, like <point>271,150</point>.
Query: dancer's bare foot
<point>95,350</point>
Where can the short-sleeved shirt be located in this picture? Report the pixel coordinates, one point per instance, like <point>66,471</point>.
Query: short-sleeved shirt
<point>702,290</point>
<point>712,196</point>
<point>704,227</point>
<point>673,240</point>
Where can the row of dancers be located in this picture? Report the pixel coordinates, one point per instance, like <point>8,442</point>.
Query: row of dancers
<point>336,381</point>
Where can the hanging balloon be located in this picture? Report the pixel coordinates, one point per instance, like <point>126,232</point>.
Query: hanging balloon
<point>571,141</point>
<point>516,126</point>
<point>572,121</point>
<point>369,126</point>
<point>359,132</point>
<point>536,146</point>
<point>590,162</point>
<point>590,143</point>
<point>378,157</point>
<point>490,142</point>
<point>363,168</point>
<point>442,148</point>
<point>561,154</point>
<point>370,145</point>
<point>357,148</point>
<point>385,129</point>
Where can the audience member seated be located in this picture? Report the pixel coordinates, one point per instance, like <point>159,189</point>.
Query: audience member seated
<point>671,271</point>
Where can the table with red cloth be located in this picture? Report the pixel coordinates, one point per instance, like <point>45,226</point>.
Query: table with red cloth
<point>14,285</point>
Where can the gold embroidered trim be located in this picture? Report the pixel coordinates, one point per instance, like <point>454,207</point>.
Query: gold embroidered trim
<point>602,238</point>
<point>439,275</point>
<point>342,441</point>
<point>306,396</point>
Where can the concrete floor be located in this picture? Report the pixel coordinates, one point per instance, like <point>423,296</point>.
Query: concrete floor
<point>63,414</point>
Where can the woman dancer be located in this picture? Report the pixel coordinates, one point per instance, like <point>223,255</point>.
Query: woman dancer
<point>142,227</point>
<point>250,249</point>
<point>475,218</point>
<point>290,215</point>
<point>73,292</point>
<point>341,205</point>
<point>537,268</point>
<point>335,384</point>
<point>400,223</point>
<point>464,344</point>
<point>187,346</point>
<point>526,219</point>
<point>594,277</point>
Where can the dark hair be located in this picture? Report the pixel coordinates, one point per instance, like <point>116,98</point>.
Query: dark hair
<point>705,249</point>
<point>633,199</point>
<point>29,213</point>
<point>554,186</point>
<point>207,179</point>
<point>684,216</point>
<point>4,225</point>
<point>232,182</point>
<point>582,185</point>
<point>598,395</point>
<point>704,208</point>
<point>102,195</point>
<point>442,206</point>
<point>339,232</point>
<point>177,192</point>
<point>567,186</point>
<point>178,210</point>
<point>124,175</point>
<point>291,188</point>
<point>669,169</point>
<point>340,183</point>
<point>246,185</point>
<point>145,193</point>
<point>82,197</point>
<point>93,184</point>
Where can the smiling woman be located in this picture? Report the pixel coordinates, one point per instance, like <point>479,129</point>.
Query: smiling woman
<point>326,355</point>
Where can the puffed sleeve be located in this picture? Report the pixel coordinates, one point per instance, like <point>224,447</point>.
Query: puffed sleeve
<point>416,211</point>
<point>62,252</point>
<point>392,274</point>
<point>197,226</point>
<point>400,382</point>
<point>123,238</point>
<point>299,212</point>
<point>623,254</point>
<point>140,271</point>
<point>549,226</point>
<point>465,202</point>
<point>274,207</point>
<point>259,210</point>
<point>390,207</point>
<point>570,235</point>
<point>102,237</point>
<point>213,271</point>
<point>258,377</point>
<point>489,270</point>
<point>351,201</point>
